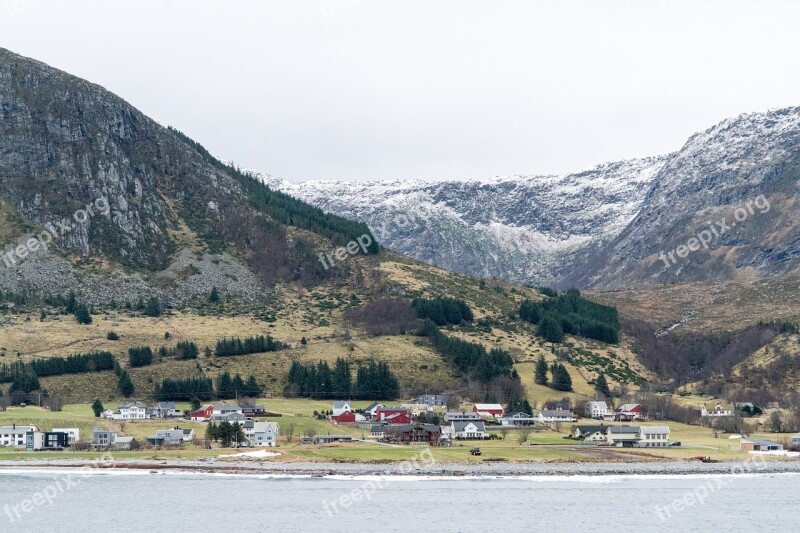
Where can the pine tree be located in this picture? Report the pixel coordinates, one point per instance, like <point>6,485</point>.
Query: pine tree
<point>97,407</point>
<point>541,371</point>
<point>214,296</point>
<point>71,303</point>
<point>125,385</point>
<point>82,314</point>
<point>601,386</point>
<point>562,381</point>
<point>153,308</point>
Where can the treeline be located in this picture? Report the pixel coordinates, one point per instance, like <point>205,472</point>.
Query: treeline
<point>231,387</point>
<point>237,346</point>
<point>470,358</point>
<point>442,311</point>
<point>571,313</point>
<point>184,390</point>
<point>374,381</point>
<point>202,389</point>
<point>140,356</point>
<point>286,209</point>
<point>56,366</point>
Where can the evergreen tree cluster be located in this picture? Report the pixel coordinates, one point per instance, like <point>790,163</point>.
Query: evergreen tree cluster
<point>56,366</point>
<point>225,433</point>
<point>571,313</point>
<point>184,390</point>
<point>184,350</point>
<point>470,358</point>
<point>230,387</point>
<point>140,356</point>
<point>373,381</point>
<point>237,346</point>
<point>442,311</point>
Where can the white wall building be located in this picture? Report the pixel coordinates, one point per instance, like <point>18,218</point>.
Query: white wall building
<point>14,435</point>
<point>596,410</point>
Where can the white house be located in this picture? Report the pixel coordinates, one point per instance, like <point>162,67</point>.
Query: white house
<point>462,416</point>
<point>623,436</point>
<point>340,407</point>
<point>796,440</point>
<point>468,430</point>
<point>265,434</point>
<point>231,417</point>
<point>14,435</point>
<point>718,411</point>
<point>653,437</point>
<point>517,419</point>
<point>548,416</point>
<point>130,411</point>
<point>165,410</point>
<point>596,410</point>
<point>73,434</point>
<point>226,408</point>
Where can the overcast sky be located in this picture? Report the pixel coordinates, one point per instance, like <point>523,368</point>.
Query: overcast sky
<point>367,89</point>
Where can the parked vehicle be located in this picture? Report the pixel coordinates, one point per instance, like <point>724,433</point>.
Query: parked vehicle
<point>675,443</point>
<point>475,451</point>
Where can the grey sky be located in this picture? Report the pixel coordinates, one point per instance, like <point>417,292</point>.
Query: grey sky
<point>423,89</point>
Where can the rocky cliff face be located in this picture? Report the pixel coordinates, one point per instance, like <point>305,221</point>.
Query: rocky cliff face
<point>119,206</point>
<point>529,229</point>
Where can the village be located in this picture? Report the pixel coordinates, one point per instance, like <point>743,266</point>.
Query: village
<point>424,421</point>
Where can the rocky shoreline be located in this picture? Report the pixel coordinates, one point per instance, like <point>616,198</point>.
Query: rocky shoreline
<point>438,469</point>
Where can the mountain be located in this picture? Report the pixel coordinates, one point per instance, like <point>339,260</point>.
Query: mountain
<point>605,227</point>
<point>529,229</point>
<point>735,186</point>
<point>119,206</point>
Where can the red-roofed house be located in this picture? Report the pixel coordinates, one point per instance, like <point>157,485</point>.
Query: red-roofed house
<point>397,418</point>
<point>347,417</point>
<point>488,410</point>
<point>382,413</point>
<point>202,414</point>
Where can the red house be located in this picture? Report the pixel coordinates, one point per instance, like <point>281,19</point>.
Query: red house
<point>383,413</point>
<point>397,418</point>
<point>348,417</point>
<point>488,410</point>
<point>202,414</point>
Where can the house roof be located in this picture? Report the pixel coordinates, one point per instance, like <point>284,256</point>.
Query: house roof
<point>619,430</point>
<point>262,427</point>
<point>488,407</point>
<point>123,440</point>
<point>588,430</point>
<point>129,405</point>
<point>373,405</point>
<point>166,405</point>
<point>762,442</point>
<point>628,407</point>
<point>600,405</point>
<point>655,429</point>
<point>557,412</point>
<point>459,425</point>
<point>432,428</point>
<point>379,428</point>
<point>341,404</point>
